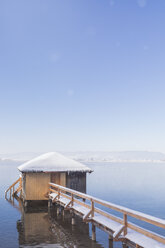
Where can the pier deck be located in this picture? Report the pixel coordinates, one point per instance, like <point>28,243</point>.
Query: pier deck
<point>119,229</point>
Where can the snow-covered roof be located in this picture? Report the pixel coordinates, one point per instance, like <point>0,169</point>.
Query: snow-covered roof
<point>53,162</point>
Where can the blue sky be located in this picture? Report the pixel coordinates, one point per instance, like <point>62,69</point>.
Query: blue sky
<point>82,75</point>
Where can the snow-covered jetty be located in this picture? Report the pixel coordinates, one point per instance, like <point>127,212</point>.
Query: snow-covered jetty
<point>62,181</point>
<point>119,229</point>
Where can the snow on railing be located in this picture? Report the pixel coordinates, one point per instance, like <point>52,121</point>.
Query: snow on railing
<point>74,195</point>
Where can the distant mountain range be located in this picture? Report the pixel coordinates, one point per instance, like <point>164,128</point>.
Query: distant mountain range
<point>10,161</point>
<point>125,156</point>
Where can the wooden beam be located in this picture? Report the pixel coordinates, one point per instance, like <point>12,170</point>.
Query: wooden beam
<point>67,205</point>
<point>87,215</point>
<point>118,232</point>
<point>55,198</point>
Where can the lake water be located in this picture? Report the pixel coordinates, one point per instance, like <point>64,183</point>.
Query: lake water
<point>134,185</point>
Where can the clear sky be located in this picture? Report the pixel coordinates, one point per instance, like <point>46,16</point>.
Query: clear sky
<point>82,75</point>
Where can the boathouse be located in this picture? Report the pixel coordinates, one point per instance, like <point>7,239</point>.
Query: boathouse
<point>51,167</point>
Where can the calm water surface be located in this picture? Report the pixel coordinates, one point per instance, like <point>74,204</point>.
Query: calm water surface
<point>134,185</point>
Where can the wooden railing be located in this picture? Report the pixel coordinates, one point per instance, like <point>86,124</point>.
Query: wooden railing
<point>76,197</point>
<point>13,189</point>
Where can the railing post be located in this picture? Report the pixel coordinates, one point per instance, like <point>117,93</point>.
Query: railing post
<point>72,200</point>
<point>125,224</point>
<point>92,208</point>
<point>20,182</point>
<point>58,193</point>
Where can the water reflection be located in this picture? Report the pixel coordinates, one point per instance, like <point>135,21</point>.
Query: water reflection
<point>51,227</point>
<point>40,227</point>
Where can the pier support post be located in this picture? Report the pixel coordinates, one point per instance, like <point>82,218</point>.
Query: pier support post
<point>49,203</point>
<point>93,232</point>
<point>110,242</point>
<point>110,238</point>
<point>25,203</point>
<point>63,214</point>
<point>73,219</point>
<point>58,211</point>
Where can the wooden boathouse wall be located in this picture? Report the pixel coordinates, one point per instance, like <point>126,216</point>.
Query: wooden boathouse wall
<point>35,185</point>
<point>76,181</point>
<point>59,177</point>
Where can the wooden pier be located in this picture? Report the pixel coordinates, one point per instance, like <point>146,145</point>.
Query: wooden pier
<point>119,229</point>
<point>91,210</point>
